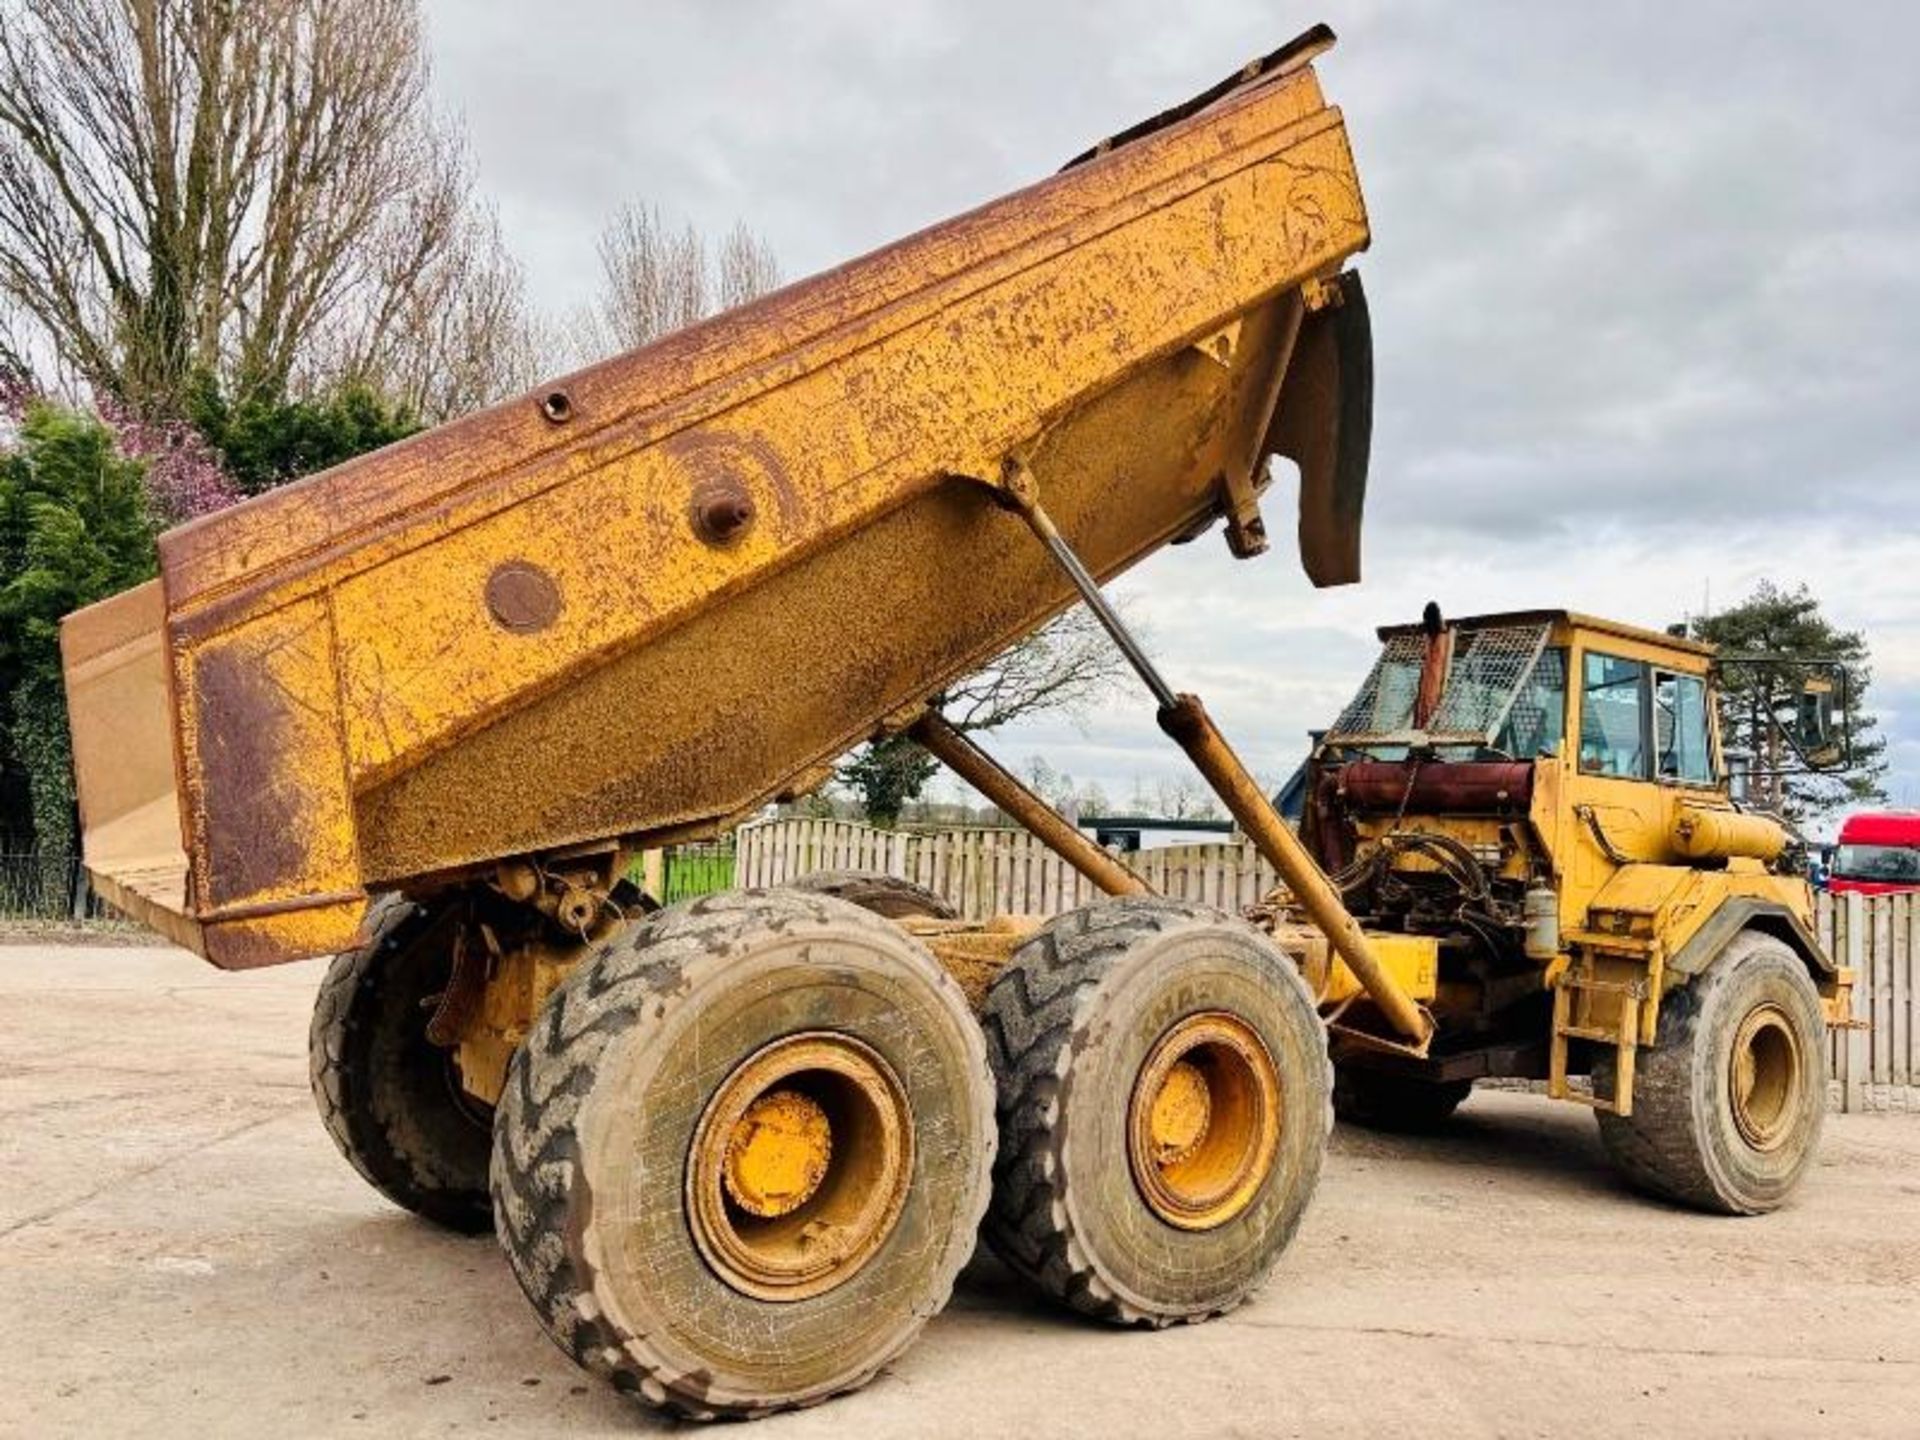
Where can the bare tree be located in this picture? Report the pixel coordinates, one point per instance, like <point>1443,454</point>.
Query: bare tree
<point>14,362</point>
<point>456,334</point>
<point>1064,666</point>
<point>653,279</point>
<point>1182,797</point>
<point>656,279</point>
<point>239,188</point>
<point>748,267</point>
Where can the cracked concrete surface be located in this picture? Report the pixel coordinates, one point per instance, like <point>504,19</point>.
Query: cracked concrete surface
<point>183,1253</point>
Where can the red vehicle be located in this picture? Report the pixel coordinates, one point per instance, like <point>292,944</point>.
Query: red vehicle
<point>1878,854</point>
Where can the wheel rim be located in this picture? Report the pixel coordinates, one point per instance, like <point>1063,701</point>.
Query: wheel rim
<point>1203,1123</point>
<point>799,1166</point>
<point>1765,1084</point>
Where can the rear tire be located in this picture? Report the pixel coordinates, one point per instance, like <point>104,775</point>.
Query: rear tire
<point>389,1097</point>
<point>1078,1026</point>
<point>886,895</point>
<point>1381,1100</point>
<point>1729,1105</point>
<point>640,1262</point>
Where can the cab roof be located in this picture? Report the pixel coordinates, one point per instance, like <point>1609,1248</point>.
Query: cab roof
<point>1881,827</point>
<point>1572,619</point>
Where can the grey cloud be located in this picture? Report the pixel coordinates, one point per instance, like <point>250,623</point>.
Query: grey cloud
<point>1645,277</point>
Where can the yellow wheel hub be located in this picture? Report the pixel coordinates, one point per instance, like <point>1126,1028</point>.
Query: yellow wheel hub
<point>1203,1125</point>
<point>1765,1083</point>
<point>1181,1113</point>
<point>778,1154</point>
<point>799,1166</point>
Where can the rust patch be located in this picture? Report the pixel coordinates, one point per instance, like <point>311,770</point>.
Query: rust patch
<point>522,597</point>
<point>466,988</point>
<point>259,844</point>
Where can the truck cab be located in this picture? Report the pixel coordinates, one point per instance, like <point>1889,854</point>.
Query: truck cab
<point>1878,854</point>
<point>1554,749</point>
<point>1544,793</point>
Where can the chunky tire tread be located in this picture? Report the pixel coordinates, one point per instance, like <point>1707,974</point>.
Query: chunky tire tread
<point>536,1150</point>
<point>1659,1147</point>
<point>1030,1017</point>
<point>886,895</point>
<point>373,1114</point>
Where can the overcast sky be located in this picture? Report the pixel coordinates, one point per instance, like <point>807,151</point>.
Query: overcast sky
<point>1645,280</point>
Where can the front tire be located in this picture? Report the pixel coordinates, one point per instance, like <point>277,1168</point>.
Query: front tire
<point>663,1247</point>
<point>390,1098</point>
<point>1163,1103</point>
<point>1729,1105</point>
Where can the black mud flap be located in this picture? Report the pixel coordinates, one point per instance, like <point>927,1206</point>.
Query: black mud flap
<point>1324,424</point>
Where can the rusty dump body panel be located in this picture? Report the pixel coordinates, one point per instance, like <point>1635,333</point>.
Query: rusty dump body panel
<point>648,598</point>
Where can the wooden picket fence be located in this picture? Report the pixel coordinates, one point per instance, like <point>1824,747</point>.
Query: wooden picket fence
<point>987,872</point>
<point>1877,1065</point>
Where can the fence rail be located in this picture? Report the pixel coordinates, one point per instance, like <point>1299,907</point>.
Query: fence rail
<point>1008,872</point>
<point>991,872</point>
<point>38,886</point>
<point>1877,1065</point>
<point>690,870</point>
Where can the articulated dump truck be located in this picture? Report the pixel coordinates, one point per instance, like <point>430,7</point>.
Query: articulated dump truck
<point>422,712</point>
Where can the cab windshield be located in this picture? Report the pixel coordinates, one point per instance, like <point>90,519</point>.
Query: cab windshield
<point>1505,697</point>
<point>1898,864</point>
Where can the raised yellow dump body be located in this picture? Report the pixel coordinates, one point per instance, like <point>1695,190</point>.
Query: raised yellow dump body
<point>653,595</point>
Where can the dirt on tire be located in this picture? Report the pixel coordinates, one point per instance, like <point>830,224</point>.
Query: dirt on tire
<point>1068,1025</point>
<point>1681,1142</point>
<point>388,1096</point>
<point>602,1102</point>
<point>886,895</point>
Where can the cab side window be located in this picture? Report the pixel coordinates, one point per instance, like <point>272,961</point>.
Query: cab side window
<point>1680,729</point>
<point>1613,697</point>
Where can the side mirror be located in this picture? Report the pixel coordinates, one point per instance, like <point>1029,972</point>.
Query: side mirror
<point>1814,733</point>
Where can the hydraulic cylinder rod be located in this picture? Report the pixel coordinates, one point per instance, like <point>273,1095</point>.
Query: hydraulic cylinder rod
<point>1186,721</point>
<point>985,774</point>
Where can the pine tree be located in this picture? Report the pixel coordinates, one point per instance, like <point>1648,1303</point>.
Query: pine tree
<point>1759,702</point>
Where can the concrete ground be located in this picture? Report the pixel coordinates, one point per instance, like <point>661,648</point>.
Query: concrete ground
<point>182,1253</point>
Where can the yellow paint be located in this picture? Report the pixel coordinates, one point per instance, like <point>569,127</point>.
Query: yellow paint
<point>1640,820</point>
<point>1639,866</point>
<point>778,1153</point>
<point>1412,960</point>
<point>518,982</point>
<point>1701,834</point>
<point>338,635</point>
<point>1767,1065</point>
<point>1203,1121</point>
<point>1181,1112</point>
<point>782,1204</point>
